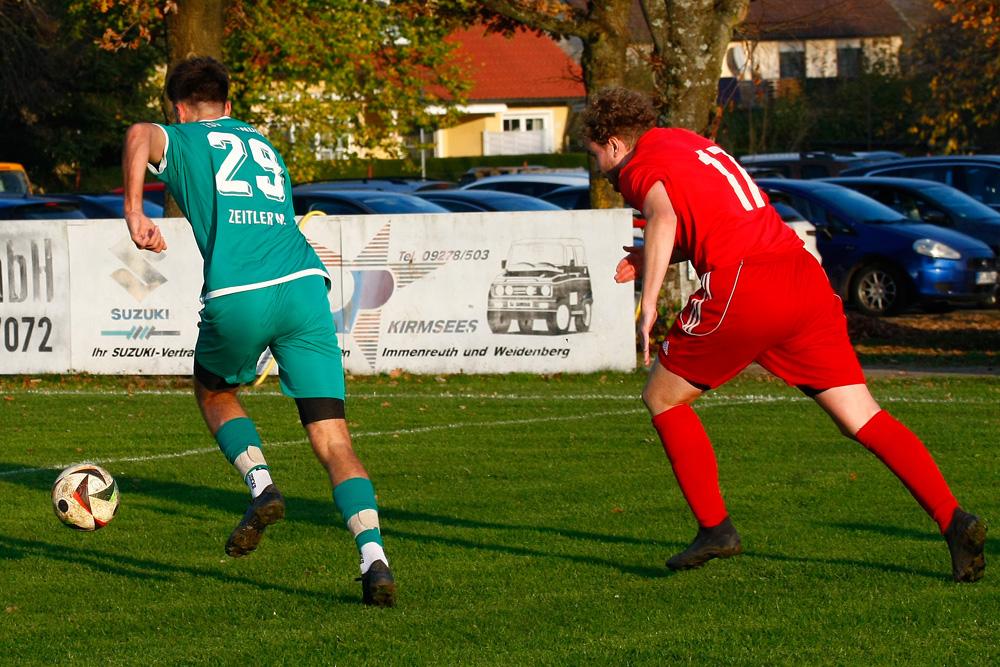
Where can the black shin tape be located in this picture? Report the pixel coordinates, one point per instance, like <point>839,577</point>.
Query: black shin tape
<point>210,380</point>
<point>317,409</point>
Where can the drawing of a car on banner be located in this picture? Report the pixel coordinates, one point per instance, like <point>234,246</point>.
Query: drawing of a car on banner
<point>543,279</point>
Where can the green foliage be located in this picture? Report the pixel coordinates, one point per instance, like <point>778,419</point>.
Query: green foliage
<point>876,109</point>
<point>67,103</point>
<point>527,520</point>
<point>358,76</point>
<point>310,72</point>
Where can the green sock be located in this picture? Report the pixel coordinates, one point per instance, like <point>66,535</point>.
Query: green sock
<point>239,441</point>
<point>355,498</point>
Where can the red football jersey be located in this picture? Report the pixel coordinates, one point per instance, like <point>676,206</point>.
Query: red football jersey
<point>722,217</point>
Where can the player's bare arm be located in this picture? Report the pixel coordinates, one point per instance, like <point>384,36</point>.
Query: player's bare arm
<point>144,144</point>
<point>661,232</point>
<point>630,267</point>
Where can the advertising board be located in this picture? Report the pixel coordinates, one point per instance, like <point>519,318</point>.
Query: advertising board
<point>34,297</point>
<point>457,293</point>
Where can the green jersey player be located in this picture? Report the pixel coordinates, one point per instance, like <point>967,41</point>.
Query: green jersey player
<point>264,287</point>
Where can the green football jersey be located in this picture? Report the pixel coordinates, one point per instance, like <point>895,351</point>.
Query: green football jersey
<point>233,187</point>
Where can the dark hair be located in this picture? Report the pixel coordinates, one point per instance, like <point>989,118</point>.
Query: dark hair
<point>618,112</point>
<point>197,80</point>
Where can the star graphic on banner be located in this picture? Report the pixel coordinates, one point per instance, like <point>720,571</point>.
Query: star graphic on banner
<point>361,316</point>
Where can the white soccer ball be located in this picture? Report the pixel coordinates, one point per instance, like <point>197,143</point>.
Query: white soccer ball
<point>85,496</point>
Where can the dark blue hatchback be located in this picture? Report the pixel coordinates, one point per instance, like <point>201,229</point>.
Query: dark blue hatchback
<point>880,261</point>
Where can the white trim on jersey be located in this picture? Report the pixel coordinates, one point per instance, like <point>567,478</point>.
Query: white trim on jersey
<point>223,291</point>
<point>158,169</point>
<point>695,315</point>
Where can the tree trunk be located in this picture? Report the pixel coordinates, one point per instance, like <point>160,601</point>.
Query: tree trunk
<point>690,38</point>
<point>194,28</point>
<point>604,64</point>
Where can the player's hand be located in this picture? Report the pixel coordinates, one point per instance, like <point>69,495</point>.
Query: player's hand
<point>645,326</point>
<point>145,234</point>
<point>630,267</point>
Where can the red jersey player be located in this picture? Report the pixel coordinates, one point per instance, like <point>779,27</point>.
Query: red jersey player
<point>763,298</point>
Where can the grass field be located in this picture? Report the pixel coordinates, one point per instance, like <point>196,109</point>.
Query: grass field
<point>527,520</point>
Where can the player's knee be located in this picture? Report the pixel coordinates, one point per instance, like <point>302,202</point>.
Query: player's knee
<point>658,400</point>
<point>313,410</point>
<point>209,381</point>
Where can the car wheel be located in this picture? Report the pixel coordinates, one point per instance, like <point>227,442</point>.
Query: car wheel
<point>499,322</point>
<point>558,322</point>
<point>879,290</point>
<point>583,320</point>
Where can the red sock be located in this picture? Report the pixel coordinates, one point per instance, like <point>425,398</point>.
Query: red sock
<point>691,456</point>
<point>908,459</point>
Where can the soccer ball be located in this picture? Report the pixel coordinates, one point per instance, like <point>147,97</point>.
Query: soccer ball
<point>85,496</point>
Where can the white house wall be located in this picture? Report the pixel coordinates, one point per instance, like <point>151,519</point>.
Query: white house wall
<point>747,59</point>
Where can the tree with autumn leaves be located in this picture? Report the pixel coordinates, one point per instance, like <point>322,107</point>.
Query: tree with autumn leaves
<point>349,75</point>
<point>960,59</point>
<point>361,75</point>
<point>672,48</point>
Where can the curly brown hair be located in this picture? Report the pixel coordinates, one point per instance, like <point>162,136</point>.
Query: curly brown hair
<point>618,112</point>
<point>197,80</point>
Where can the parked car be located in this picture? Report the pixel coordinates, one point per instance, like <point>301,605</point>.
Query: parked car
<point>359,202</point>
<point>931,202</point>
<point>879,260</point>
<point>811,164</point>
<point>976,175</point>
<point>464,201</point>
<point>475,173</point>
<point>38,207</point>
<point>804,229</point>
<point>108,205</point>
<point>392,184</point>
<point>570,197</point>
<point>154,192</point>
<point>13,179</point>
<point>533,185</point>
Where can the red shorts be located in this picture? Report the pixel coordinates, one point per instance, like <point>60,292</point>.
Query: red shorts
<point>780,312</point>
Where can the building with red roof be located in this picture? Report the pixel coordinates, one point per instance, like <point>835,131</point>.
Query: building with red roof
<point>524,88</point>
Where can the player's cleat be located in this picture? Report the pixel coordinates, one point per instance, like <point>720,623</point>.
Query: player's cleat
<point>266,509</point>
<point>721,541</point>
<point>378,587</point>
<point>966,536</point>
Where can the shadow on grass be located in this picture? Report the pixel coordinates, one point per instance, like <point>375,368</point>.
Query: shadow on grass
<point>929,535</point>
<point>324,514</point>
<point>944,573</point>
<point>401,524</point>
<point>141,569</point>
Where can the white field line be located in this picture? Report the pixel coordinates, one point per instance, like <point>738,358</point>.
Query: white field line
<point>762,398</point>
<point>703,403</point>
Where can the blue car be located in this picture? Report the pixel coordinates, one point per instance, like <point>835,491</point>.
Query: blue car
<point>109,205</point>
<point>38,207</point>
<point>466,201</point>
<point>880,261</point>
<point>359,202</point>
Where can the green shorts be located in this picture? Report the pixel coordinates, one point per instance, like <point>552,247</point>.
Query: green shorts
<point>291,318</point>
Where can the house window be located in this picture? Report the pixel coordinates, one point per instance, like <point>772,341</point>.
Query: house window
<point>848,61</point>
<point>792,64</point>
<point>522,133</point>
<point>523,124</point>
